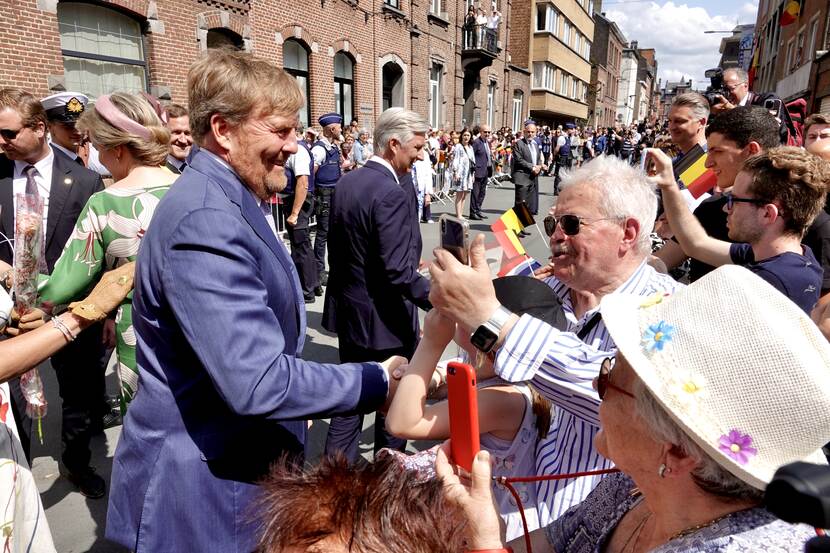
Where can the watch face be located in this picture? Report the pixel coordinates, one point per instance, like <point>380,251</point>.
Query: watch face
<point>484,339</point>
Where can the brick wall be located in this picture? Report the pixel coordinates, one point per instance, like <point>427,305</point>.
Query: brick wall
<point>175,33</point>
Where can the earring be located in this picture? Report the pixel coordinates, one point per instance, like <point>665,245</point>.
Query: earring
<point>661,472</point>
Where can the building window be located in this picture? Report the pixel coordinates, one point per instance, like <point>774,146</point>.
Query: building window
<point>435,76</point>
<point>543,75</point>
<point>591,8</point>
<point>344,86</point>
<point>813,37</point>
<point>826,41</point>
<point>789,59</point>
<point>295,62</point>
<point>392,86</point>
<point>547,18</point>
<point>799,49</point>
<point>393,3</point>
<point>518,108</point>
<point>224,38</point>
<point>436,7</point>
<point>103,50</point>
<point>587,49</point>
<point>575,89</point>
<point>567,37</point>
<point>491,104</point>
<point>563,84</point>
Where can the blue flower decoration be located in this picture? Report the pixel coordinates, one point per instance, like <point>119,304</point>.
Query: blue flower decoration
<point>656,336</point>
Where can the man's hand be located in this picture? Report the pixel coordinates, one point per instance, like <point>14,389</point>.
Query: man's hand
<point>32,319</point>
<point>395,368</point>
<point>463,294</point>
<point>474,495</point>
<point>660,169</point>
<point>438,329</point>
<point>544,272</point>
<point>291,220</point>
<point>722,105</point>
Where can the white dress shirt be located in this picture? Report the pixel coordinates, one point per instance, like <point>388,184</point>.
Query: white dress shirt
<point>43,179</point>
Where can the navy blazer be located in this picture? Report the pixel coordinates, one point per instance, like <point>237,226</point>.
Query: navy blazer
<point>72,185</point>
<point>484,165</point>
<point>219,321</point>
<point>374,251</point>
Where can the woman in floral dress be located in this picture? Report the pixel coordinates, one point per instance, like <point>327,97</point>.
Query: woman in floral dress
<point>463,167</point>
<point>133,144</point>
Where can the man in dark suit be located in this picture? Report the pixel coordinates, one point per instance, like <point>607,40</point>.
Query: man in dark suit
<point>31,166</point>
<point>527,163</point>
<point>181,141</point>
<point>220,324</point>
<point>375,242</point>
<point>484,170</point>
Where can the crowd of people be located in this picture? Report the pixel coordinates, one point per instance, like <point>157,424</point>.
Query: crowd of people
<point>665,401</point>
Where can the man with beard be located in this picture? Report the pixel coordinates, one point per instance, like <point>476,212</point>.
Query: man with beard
<point>178,123</point>
<point>220,323</point>
<point>599,240</point>
<point>776,196</point>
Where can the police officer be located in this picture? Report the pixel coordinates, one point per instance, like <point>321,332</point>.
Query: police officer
<point>62,113</point>
<point>298,202</point>
<point>326,154</point>
<point>563,155</point>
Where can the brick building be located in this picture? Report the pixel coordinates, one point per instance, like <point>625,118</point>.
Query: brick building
<point>556,44</point>
<point>792,60</point>
<point>606,61</point>
<point>356,57</point>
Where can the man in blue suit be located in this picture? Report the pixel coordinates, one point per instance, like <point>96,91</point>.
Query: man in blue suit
<point>220,321</point>
<point>374,255</point>
<point>484,170</point>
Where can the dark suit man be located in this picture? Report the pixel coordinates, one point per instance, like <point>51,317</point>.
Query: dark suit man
<point>526,166</point>
<point>181,140</point>
<point>31,166</point>
<point>220,324</point>
<point>375,242</point>
<point>484,170</point>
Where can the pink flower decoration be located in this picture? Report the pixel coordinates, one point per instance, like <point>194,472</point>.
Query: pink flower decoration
<point>738,446</point>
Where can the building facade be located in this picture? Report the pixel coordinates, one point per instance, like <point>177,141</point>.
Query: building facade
<point>606,61</point>
<point>669,92</point>
<point>356,57</point>
<point>792,60</point>
<point>628,87</point>
<point>646,82</point>
<point>557,48</point>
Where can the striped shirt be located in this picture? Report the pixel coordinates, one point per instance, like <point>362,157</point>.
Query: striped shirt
<point>562,367</point>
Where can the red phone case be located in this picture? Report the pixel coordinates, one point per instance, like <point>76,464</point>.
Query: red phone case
<point>463,406</point>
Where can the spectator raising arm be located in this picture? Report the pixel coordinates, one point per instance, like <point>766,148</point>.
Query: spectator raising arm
<point>687,229</point>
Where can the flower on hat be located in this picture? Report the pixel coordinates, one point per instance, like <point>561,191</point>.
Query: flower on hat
<point>738,446</point>
<point>656,336</point>
<point>688,389</point>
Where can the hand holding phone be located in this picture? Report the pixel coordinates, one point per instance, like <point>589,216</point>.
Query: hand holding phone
<point>463,406</point>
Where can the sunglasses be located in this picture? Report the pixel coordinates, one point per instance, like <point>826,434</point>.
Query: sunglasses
<point>604,379</point>
<point>732,200</point>
<point>9,134</point>
<point>569,223</point>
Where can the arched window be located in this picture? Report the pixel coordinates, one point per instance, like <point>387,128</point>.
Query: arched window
<point>224,38</point>
<point>344,86</point>
<point>295,62</point>
<point>392,85</point>
<point>103,50</point>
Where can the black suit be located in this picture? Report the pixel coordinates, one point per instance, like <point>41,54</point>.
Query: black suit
<point>374,286</point>
<point>484,170</point>
<point>526,183</point>
<point>79,366</point>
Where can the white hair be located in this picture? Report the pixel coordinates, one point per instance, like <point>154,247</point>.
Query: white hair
<point>709,476</point>
<point>624,193</point>
<point>400,124</point>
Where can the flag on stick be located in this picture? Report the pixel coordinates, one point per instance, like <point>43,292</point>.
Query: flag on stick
<point>692,172</point>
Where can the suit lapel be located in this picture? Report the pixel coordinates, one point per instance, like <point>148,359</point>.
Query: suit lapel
<point>62,183</point>
<point>7,208</point>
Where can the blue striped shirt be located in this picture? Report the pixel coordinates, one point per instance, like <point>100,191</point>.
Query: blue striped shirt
<point>562,367</point>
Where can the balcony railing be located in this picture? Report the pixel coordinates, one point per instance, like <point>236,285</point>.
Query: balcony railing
<point>481,37</point>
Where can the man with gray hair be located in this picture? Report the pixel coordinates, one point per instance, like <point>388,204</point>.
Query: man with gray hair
<point>599,240</point>
<point>375,250</point>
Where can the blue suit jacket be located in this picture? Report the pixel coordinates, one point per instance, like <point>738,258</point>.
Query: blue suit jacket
<point>219,321</point>
<point>484,167</point>
<point>374,250</point>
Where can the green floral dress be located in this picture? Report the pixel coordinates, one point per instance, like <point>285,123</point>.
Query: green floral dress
<point>107,234</point>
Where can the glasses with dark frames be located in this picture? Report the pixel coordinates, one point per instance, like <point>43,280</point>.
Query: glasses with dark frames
<point>569,223</point>
<point>9,134</point>
<point>604,379</point>
<point>731,200</point>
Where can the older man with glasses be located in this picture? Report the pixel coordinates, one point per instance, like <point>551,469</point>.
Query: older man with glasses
<point>599,240</point>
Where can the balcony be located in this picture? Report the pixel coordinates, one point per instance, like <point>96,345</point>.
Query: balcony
<point>795,84</point>
<point>480,47</point>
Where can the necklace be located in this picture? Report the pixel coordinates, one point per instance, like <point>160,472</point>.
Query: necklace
<point>693,529</point>
<point>637,531</point>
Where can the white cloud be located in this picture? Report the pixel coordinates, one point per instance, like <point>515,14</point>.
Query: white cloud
<point>749,11</point>
<point>675,31</point>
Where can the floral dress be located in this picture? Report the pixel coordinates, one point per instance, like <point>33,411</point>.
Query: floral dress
<point>461,161</point>
<point>107,235</point>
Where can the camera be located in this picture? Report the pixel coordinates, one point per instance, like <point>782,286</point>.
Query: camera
<point>715,91</point>
<point>800,492</point>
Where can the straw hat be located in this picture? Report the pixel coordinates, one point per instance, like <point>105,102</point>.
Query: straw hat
<point>741,368</point>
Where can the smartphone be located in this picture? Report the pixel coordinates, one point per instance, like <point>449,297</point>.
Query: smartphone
<point>773,105</point>
<point>455,237</point>
<point>463,406</point>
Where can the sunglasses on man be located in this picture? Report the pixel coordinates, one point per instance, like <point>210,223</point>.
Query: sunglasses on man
<point>9,135</point>
<point>570,223</point>
<point>603,381</point>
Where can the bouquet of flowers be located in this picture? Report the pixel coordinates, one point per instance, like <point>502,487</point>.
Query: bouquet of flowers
<point>28,258</point>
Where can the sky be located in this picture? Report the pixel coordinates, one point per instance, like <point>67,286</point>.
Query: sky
<point>674,28</point>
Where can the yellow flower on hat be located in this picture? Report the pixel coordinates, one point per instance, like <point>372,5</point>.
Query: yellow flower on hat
<point>688,389</point>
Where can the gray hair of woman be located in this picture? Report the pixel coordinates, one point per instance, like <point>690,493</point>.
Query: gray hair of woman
<point>399,124</point>
<point>709,476</point>
<point>624,192</point>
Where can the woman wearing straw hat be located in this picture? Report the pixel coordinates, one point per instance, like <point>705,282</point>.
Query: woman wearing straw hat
<point>712,390</point>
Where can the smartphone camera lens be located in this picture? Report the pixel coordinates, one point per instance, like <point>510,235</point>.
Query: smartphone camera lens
<point>451,370</point>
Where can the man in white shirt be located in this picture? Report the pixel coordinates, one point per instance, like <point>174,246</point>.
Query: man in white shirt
<point>181,141</point>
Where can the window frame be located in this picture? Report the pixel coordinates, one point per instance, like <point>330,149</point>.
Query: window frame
<point>340,83</point>
<point>301,73</point>
<point>435,98</point>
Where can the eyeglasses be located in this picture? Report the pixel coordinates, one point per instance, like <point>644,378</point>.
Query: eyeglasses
<point>603,381</point>
<point>731,88</point>
<point>570,223</point>
<point>731,200</point>
<point>9,134</point>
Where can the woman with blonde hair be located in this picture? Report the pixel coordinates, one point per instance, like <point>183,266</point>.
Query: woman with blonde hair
<point>133,143</point>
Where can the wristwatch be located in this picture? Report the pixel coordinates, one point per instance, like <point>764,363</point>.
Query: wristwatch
<point>487,334</point>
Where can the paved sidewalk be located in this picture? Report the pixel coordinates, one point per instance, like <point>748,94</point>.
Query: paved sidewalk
<point>77,523</point>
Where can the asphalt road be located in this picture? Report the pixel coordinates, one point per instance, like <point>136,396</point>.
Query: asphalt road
<point>77,523</point>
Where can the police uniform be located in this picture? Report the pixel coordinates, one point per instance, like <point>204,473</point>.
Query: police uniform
<point>327,173</point>
<point>563,158</point>
<point>301,164</point>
